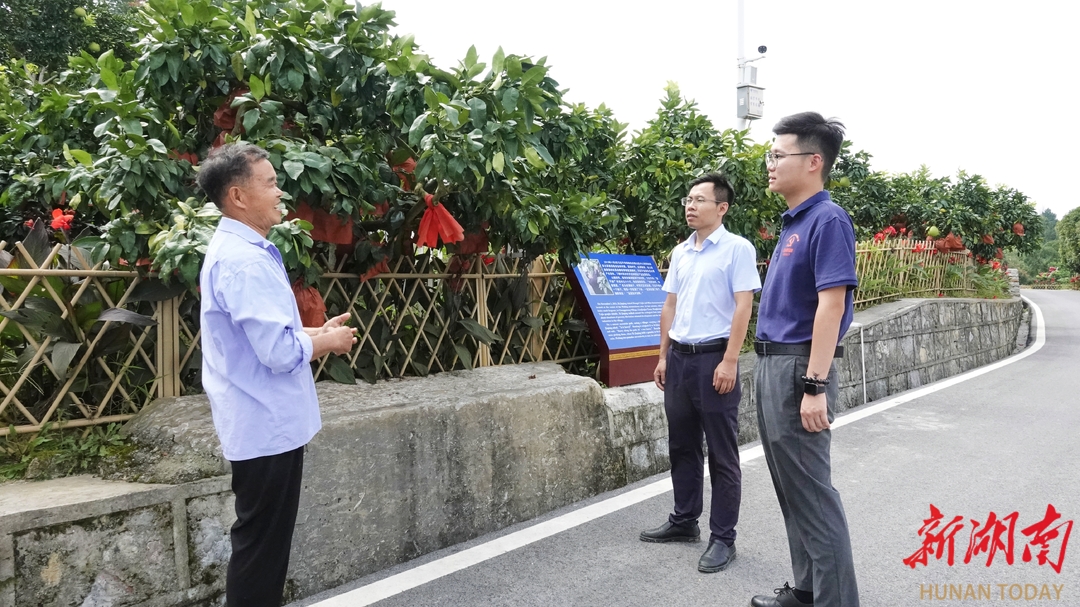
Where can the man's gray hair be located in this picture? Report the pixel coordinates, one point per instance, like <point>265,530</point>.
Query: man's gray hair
<point>226,166</point>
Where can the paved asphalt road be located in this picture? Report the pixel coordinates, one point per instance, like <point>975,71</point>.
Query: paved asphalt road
<point>1003,442</point>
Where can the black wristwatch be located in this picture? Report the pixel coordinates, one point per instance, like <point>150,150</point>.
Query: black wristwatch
<point>814,385</point>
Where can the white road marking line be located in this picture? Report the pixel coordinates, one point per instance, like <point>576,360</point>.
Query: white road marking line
<point>418,576</point>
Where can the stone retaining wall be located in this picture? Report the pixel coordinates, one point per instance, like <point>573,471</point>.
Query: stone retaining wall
<point>406,467</point>
<point>888,349</point>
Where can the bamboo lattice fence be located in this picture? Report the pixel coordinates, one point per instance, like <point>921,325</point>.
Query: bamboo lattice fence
<point>65,361</point>
<point>896,268</point>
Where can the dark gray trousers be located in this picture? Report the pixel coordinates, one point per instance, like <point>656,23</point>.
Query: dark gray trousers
<point>799,463</point>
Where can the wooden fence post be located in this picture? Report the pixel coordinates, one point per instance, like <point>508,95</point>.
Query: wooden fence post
<point>168,347</point>
<point>539,290</point>
<point>482,349</point>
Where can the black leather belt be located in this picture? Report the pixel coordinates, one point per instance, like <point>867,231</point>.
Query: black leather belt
<point>769,348</point>
<point>716,345</point>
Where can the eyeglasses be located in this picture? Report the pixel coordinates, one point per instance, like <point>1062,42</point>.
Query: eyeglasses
<point>695,201</point>
<point>771,158</point>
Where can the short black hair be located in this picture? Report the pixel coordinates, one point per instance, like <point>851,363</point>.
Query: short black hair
<point>227,165</point>
<point>814,133</point>
<point>720,184</point>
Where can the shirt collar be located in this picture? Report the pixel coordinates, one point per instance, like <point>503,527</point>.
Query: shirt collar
<point>790,214</point>
<point>232,226</point>
<point>713,238</point>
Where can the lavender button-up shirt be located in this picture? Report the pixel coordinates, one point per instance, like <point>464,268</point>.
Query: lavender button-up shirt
<point>255,353</point>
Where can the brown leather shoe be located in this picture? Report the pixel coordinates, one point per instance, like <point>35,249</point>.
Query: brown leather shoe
<point>785,597</point>
<point>670,532</point>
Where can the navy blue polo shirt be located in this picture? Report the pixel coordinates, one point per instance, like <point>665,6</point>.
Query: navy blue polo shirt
<point>816,251</point>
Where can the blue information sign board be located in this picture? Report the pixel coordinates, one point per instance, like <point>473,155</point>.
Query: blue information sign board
<point>624,298</point>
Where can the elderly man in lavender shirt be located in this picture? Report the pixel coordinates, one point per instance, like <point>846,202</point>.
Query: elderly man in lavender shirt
<point>255,369</point>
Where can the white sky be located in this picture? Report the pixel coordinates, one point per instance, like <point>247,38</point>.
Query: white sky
<point>989,87</point>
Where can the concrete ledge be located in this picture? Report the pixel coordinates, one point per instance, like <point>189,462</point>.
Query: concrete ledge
<point>399,469</point>
<point>890,348</point>
<point>406,467</point>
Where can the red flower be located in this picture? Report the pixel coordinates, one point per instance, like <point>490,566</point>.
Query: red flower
<point>903,230</point>
<point>919,248</point>
<point>941,295</point>
<point>995,265</point>
<point>879,237</point>
<point>29,223</point>
<point>62,219</point>
<point>890,231</point>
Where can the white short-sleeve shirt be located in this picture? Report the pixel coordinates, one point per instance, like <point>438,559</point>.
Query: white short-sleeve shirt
<point>705,282</point>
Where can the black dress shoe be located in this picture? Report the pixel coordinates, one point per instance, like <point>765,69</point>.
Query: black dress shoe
<point>670,532</point>
<point>785,597</point>
<point>717,557</point>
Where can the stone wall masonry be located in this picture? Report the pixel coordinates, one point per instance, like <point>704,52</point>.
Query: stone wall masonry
<point>888,349</point>
<point>399,469</point>
<point>406,467</point>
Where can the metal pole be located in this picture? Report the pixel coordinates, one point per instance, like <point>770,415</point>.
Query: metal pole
<point>741,123</point>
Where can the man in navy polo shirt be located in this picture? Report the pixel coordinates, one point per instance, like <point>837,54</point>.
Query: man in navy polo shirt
<point>710,286</point>
<point>806,306</point>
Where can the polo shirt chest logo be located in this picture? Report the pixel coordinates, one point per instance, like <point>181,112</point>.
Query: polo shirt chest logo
<point>789,245</point>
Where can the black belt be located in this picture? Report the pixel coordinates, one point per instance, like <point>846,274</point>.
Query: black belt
<point>716,345</point>
<point>769,348</point>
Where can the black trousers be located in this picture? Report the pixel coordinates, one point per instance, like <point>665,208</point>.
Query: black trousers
<point>267,496</point>
<point>694,408</point>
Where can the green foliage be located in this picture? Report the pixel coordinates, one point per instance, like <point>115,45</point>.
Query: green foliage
<point>46,32</point>
<point>1036,262</point>
<point>1049,225</point>
<point>1057,278</point>
<point>676,147</point>
<point>989,221</point>
<point>73,324</point>
<point>337,101</point>
<point>54,452</point>
<point>1068,233</point>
